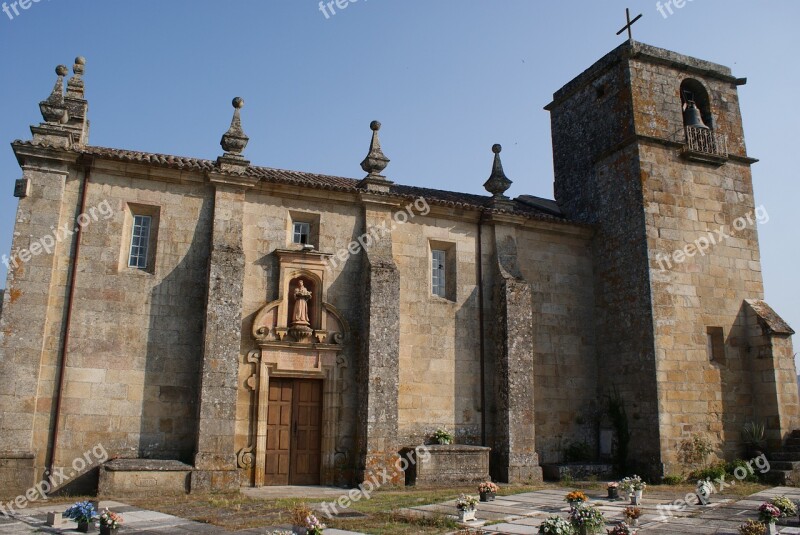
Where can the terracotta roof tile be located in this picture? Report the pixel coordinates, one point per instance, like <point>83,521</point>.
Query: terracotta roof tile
<point>314,180</point>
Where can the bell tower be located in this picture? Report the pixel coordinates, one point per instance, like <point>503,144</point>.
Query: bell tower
<point>648,146</point>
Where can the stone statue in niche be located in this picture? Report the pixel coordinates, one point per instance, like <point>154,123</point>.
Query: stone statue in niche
<point>300,328</point>
<point>301,298</point>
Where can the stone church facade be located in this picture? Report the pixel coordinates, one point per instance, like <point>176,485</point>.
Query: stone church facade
<point>271,327</point>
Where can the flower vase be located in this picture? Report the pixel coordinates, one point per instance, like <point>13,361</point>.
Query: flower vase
<point>487,496</point>
<point>299,530</point>
<point>106,530</point>
<point>772,529</point>
<point>443,441</point>
<point>465,515</point>
<point>86,527</point>
<point>613,493</point>
<point>636,497</point>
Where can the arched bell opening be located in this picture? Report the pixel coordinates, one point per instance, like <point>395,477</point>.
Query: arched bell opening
<point>696,105</point>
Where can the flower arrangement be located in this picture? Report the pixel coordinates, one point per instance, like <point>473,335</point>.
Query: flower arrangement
<point>555,525</point>
<point>632,512</point>
<point>751,527</point>
<point>586,517</point>
<point>300,512</point>
<point>81,512</point>
<point>314,526</point>
<point>487,486</point>
<point>442,436</point>
<point>786,506</point>
<point>613,485</point>
<point>110,519</point>
<point>768,513</point>
<point>466,502</point>
<point>576,496</point>
<point>621,529</point>
<point>633,483</point>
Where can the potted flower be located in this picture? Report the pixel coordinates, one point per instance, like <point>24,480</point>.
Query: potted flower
<point>632,515</point>
<point>555,525</point>
<point>466,506</point>
<point>575,498</point>
<point>84,514</point>
<point>768,514</point>
<point>634,486</point>
<point>110,522</point>
<point>621,529</point>
<point>314,526</point>
<point>586,519</point>
<point>704,490</point>
<point>786,506</point>
<point>613,490</point>
<point>442,436</point>
<point>488,491</point>
<point>751,527</point>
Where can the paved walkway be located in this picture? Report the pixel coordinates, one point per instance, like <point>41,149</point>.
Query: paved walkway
<point>137,521</point>
<point>520,514</point>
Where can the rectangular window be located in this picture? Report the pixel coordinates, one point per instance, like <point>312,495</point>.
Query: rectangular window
<point>301,232</point>
<point>716,344</point>
<point>140,241</point>
<point>438,264</point>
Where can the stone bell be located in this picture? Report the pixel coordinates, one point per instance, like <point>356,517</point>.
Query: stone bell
<point>692,117</point>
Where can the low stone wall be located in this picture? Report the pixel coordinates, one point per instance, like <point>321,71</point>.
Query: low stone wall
<point>123,478</point>
<point>557,472</point>
<point>443,466</point>
<point>16,473</point>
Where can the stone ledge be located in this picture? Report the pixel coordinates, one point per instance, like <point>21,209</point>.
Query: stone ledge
<point>146,465</point>
<point>144,477</point>
<point>445,465</point>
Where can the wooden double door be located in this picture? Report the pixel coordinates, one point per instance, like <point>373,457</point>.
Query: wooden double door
<point>294,432</point>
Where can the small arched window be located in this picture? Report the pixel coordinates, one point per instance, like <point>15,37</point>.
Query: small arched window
<point>693,93</point>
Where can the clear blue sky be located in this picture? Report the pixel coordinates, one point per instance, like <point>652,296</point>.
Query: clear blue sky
<point>446,78</point>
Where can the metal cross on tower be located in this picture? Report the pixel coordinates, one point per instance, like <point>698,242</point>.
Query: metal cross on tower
<point>630,23</point>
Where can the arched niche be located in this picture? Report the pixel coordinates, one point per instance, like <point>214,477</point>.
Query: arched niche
<point>694,91</point>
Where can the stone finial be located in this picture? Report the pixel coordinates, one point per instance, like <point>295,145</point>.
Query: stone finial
<point>376,161</point>
<point>234,140</point>
<point>53,109</point>
<point>498,182</point>
<point>75,84</point>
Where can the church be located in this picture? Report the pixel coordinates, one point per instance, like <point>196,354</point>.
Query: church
<point>272,327</point>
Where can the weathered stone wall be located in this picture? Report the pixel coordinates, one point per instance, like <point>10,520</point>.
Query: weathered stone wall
<point>557,263</point>
<point>27,344</point>
<point>597,182</point>
<point>136,337</point>
<point>439,350</point>
<point>686,201</point>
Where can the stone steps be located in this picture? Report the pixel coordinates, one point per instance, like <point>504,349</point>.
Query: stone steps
<point>785,464</point>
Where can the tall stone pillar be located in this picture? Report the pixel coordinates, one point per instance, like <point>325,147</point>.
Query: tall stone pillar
<point>215,458</point>
<point>379,365</point>
<point>514,452</point>
<point>30,326</point>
